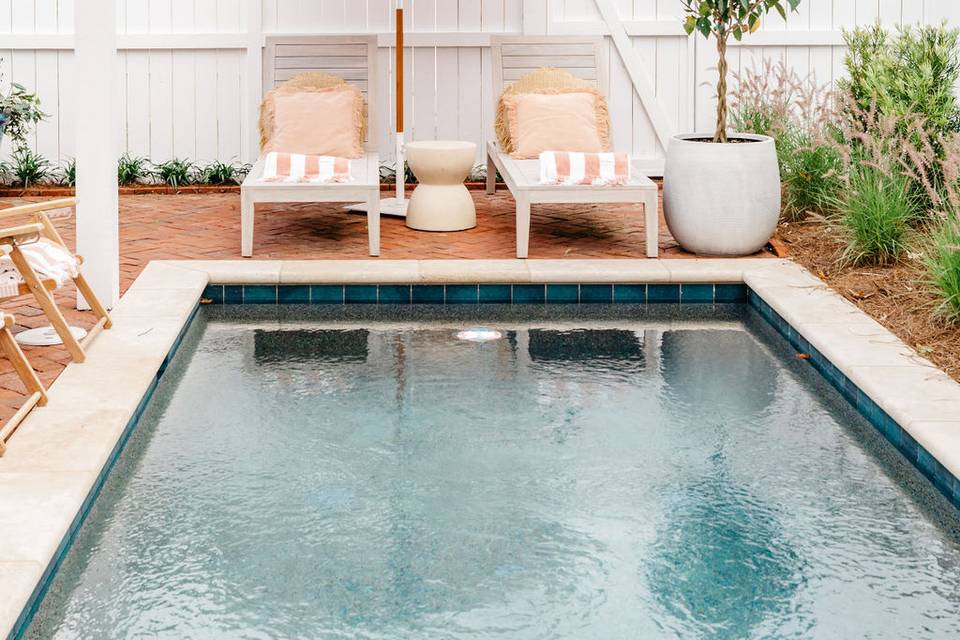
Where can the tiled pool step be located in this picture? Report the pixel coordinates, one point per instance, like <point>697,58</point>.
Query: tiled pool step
<point>559,293</point>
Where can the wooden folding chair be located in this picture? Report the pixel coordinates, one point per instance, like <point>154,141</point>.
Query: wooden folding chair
<point>38,396</point>
<point>41,228</point>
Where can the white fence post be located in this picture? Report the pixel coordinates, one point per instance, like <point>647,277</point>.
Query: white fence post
<point>96,106</point>
<point>252,83</point>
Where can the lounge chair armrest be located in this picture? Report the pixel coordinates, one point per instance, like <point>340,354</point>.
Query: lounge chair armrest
<point>39,207</point>
<point>13,234</point>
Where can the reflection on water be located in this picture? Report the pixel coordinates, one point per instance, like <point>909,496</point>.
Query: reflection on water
<point>556,484</point>
<point>720,565</point>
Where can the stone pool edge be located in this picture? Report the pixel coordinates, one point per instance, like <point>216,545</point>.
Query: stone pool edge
<point>60,455</point>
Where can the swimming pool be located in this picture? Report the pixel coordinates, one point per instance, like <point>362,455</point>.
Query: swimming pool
<point>596,472</point>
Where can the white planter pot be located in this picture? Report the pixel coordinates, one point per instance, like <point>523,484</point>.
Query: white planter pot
<point>722,199</point>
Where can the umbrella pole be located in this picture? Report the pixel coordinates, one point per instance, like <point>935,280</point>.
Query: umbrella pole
<point>401,161</point>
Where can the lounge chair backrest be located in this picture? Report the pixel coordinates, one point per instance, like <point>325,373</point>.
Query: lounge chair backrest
<point>353,58</point>
<point>515,56</point>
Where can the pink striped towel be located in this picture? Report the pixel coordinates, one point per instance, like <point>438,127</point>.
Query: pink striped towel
<point>598,169</point>
<point>295,167</point>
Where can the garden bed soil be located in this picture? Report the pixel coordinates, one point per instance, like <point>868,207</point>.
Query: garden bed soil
<point>57,191</point>
<point>896,296</point>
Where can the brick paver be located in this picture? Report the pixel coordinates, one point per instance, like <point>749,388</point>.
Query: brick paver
<point>207,226</point>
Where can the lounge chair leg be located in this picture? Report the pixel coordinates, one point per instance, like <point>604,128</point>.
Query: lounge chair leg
<point>93,301</point>
<point>651,212</point>
<point>523,226</point>
<point>247,208</point>
<point>373,223</point>
<point>491,176</point>
<point>47,304</point>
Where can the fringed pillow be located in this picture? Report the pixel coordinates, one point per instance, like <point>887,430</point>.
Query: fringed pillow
<point>314,114</point>
<point>552,110</point>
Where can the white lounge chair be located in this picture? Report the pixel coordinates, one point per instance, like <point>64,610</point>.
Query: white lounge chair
<point>353,58</point>
<point>586,58</point>
<point>37,394</point>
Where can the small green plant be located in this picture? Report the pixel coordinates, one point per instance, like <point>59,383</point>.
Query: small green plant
<point>722,19</point>
<point>28,167</point>
<point>68,173</point>
<point>942,262</point>
<point>222,173</point>
<point>19,110</point>
<point>131,169</point>
<point>176,172</point>
<point>388,174</point>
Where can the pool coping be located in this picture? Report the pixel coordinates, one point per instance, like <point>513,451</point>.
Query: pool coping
<point>61,454</point>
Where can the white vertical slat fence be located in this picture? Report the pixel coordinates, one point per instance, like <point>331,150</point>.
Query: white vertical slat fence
<point>189,83</point>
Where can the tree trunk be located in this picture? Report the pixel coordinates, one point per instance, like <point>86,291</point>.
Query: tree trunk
<point>721,133</point>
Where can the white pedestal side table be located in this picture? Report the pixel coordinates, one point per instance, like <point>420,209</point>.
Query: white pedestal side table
<point>441,202</point>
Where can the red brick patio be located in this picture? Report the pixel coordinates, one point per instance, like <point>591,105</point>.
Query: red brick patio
<point>207,226</point>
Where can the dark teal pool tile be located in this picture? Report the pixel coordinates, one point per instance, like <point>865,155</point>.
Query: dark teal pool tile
<point>326,294</point>
<point>926,463</point>
<point>214,293</point>
<point>462,294</point>
<point>731,293</point>
<point>563,293</point>
<point>596,293</point>
<point>495,293</point>
<point>233,294</point>
<point>428,294</point>
<point>360,294</point>
<point>529,294</point>
<point>909,446</point>
<point>260,294</point>
<point>293,294</point>
<point>395,294</point>
<point>663,293</point>
<point>943,479</point>
<point>630,293</point>
<point>696,293</point>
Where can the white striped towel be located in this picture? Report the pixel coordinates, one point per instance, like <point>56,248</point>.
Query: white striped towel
<point>50,260</point>
<point>295,167</point>
<point>598,169</point>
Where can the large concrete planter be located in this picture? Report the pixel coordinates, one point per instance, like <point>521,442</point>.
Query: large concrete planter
<point>722,199</point>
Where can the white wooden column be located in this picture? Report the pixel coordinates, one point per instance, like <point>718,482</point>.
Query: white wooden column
<point>252,82</point>
<point>96,105</point>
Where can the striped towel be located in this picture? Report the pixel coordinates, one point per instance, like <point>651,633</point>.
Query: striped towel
<point>570,168</point>
<point>50,260</point>
<point>295,167</point>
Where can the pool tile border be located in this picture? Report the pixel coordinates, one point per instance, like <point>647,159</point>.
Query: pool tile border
<point>916,407</point>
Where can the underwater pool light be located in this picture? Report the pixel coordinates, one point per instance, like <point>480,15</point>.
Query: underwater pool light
<point>479,334</point>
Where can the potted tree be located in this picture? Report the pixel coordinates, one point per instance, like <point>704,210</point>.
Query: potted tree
<point>19,109</point>
<point>721,192</point>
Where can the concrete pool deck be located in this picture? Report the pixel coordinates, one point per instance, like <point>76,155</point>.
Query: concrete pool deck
<point>54,462</point>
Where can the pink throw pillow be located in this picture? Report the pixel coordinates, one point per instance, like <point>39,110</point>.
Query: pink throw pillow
<point>565,121</point>
<point>318,122</point>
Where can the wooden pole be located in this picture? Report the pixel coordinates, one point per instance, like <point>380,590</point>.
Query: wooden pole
<point>401,177</point>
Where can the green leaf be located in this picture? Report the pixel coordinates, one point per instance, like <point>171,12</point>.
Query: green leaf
<point>738,33</point>
<point>690,25</point>
<point>780,10</point>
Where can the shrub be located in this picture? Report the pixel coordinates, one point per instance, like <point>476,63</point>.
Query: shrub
<point>224,173</point>
<point>28,168</point>
<point>19,111</point>
<point>176,172</point>
<point>800,115</point>
<point>812,174</point>
<point>942,262</point>
<point>900,75</point>
<point>876,215</point>
<point>131,169</point>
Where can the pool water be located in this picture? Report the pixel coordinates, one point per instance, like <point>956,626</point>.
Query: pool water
<point>593,473</point>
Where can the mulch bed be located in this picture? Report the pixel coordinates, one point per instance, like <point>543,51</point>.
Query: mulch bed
<point>897,297</point>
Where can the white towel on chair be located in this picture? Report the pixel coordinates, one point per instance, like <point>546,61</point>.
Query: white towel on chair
<point>597,169</point>
<point>49,260</point>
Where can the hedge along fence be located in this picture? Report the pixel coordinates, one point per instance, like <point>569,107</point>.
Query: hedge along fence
<point>27,169</point>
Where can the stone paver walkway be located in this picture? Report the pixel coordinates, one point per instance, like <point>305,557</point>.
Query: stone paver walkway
<point>207,226</point>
